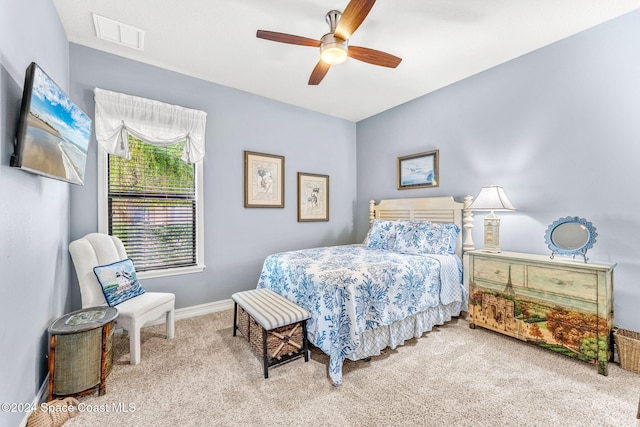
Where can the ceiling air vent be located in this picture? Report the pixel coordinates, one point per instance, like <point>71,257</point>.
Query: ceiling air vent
<point>117,32</point>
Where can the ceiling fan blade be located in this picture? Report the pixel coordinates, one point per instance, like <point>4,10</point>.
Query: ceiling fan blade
<point>287,38</point>
<point>352,17</point>
<point>319,72</point>
<point>373,56</point>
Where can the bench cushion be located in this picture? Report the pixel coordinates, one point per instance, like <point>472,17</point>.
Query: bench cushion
<point>270,309</point>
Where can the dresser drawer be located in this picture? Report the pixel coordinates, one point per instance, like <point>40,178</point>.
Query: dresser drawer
<point>579,284</point>
<point>491,271</point>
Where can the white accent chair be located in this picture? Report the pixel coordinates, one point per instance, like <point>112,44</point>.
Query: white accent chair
<point>97,249</point>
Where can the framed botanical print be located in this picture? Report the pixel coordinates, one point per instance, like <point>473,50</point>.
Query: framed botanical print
<point>263,180</point>
<point>418,170</point>
<point>313,197</point>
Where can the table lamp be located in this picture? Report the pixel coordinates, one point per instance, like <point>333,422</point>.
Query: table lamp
<point>492,198</point>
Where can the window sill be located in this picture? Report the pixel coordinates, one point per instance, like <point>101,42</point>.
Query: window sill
<point>170,272</point>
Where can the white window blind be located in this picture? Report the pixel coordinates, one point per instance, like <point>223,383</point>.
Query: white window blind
<point>152,203</point>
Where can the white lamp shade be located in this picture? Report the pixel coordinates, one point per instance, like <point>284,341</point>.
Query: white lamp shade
<point>492,198</point>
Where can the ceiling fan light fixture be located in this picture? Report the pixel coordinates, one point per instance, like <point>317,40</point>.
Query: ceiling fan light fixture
<point>333,50</point>
<point>333,55</point>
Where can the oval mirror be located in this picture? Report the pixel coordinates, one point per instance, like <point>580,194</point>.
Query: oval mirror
<point>570,236</point>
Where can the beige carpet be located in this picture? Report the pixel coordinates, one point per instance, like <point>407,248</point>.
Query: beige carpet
<point>452,376</point>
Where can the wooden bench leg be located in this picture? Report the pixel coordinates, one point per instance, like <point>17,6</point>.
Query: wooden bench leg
<point>265,357</point>
<point>305,342</point>
<point>235,318</point>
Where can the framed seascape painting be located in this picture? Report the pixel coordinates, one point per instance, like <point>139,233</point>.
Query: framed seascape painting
<point>313,197</point>
<point>263,180</point>
<point>418,170</point>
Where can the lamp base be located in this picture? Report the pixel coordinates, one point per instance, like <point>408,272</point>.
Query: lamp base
<point>491,233</point>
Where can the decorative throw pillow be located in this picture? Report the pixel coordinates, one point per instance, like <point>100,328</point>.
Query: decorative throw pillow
<point>382,234</point>
<point>118,281</point>
<point>441,239</point>
<point>410,237</point>
<point>454,232</point>
<point>426,238</point>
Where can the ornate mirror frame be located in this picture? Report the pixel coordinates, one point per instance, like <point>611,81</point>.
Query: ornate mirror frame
<point>563,224</point>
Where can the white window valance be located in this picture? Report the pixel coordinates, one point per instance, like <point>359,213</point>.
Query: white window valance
<point>118,115</point>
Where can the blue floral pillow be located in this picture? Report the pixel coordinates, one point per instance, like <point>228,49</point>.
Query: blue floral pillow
<point>119,282</point>
<point>454,232</point>
<point>440,235</point>
<point>382,234</point>
<point>410,237</point>
<point>426,238</point>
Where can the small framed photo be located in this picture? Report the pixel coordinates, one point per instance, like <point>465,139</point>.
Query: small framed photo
<point>313,197</point>
<point>263,180</point>
<point>418,170</point>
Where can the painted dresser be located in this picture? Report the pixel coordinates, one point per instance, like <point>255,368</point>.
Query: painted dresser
<point>564,305</point>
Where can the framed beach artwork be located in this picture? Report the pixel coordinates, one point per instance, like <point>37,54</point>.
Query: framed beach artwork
<point>263,180</point>
<point>418,170</point>
<point>313,197</point>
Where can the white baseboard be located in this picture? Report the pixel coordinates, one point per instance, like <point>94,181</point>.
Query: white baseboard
<point>197,310</point>
<point>41,397</point>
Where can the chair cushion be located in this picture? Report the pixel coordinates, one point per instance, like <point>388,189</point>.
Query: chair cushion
<point>118,281</point>
<point>149,301</point>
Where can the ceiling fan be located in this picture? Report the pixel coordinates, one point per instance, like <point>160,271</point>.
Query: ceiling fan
<point>334,46</point>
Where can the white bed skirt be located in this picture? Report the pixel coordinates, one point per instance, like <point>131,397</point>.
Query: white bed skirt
<point>374,341</point>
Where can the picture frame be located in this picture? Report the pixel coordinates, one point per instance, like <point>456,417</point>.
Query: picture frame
<point>313,197</point>
<point>419,170</point>
<point>263,180</point>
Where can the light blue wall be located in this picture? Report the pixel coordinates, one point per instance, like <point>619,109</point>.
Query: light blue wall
<point>236,239</point>
<point>557,128</point>
<point>34,211</point>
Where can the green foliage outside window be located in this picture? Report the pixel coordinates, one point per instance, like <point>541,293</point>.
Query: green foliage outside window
<point>152,205</point>
<point>153,169</point>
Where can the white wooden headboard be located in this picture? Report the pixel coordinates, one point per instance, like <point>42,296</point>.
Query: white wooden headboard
<point>435,209</point>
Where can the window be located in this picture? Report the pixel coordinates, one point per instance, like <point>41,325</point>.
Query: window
<point>153,204</point>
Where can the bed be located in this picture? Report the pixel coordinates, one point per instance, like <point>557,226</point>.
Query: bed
<point>404,279</point>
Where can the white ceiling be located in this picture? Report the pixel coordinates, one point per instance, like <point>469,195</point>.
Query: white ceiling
<point>440,42</point>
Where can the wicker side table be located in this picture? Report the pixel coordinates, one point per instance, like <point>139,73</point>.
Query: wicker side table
<point>80,351</point>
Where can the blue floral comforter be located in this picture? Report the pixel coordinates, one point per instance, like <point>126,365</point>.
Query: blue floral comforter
<point>351,289</point>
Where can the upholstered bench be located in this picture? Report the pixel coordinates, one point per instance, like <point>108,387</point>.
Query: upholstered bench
<point>275,326</point>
